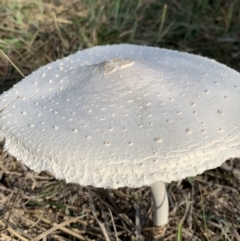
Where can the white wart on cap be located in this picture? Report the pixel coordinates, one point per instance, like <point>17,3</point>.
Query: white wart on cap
<point>124,115</point>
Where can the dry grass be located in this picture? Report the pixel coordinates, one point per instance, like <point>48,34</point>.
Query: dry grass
<point>37,206</point>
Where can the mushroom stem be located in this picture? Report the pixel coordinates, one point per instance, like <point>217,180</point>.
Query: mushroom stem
<point>160,203</point>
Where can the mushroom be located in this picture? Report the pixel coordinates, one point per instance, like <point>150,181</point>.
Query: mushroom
<point>125,115</point>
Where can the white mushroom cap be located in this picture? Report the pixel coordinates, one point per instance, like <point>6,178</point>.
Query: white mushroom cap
<point>124,115</point>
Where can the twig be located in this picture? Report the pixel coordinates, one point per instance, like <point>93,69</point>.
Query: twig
<point>58,226</point>
<point>114,226</point>
<point>101,225</point>
<point>12,63</point>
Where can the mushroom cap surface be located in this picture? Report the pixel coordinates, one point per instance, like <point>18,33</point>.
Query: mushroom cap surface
<point>124,115</point>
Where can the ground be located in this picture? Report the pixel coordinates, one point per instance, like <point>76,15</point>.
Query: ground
<point>38,207</point>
